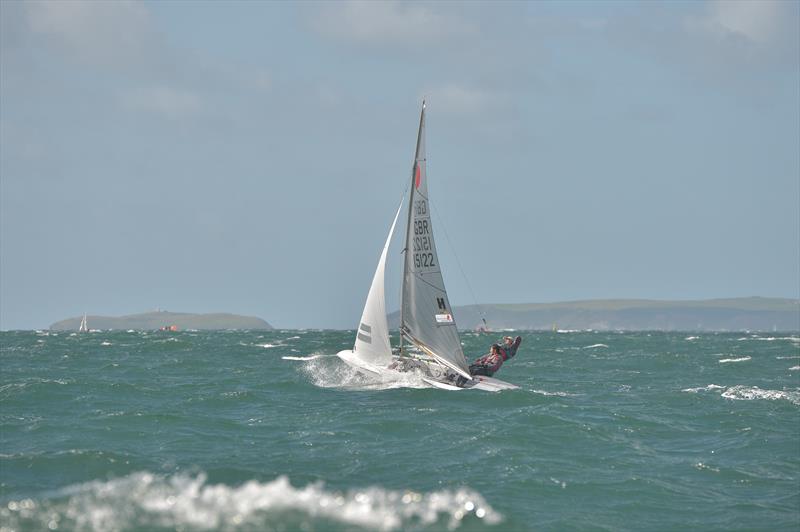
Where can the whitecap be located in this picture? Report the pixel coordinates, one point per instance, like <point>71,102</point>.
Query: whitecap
<point>794,368</point>
<point>146,501</point>
<point>750,393</point>
<point>330,372</point>
<point>595,346</point>
<point>105,343</point>
<point>690,338</point>
<point>739,359</point>
<point>708,388</point>
<point>553,394</point>
<point>311,357</point>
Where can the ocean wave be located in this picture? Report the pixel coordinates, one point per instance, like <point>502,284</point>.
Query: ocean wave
<point>553,394</point>
<point>310,357</point>
<point>739,359</point>
<point>750,393</point>
<point>708,388</point>
<point>330,372</point>
<point>145,500</point>
<point>594,346</point>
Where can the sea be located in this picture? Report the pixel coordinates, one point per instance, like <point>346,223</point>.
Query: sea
<point>269,430</point>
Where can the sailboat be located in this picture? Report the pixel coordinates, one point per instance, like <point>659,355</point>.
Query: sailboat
<point>83,327</point>
<point>432,344</point>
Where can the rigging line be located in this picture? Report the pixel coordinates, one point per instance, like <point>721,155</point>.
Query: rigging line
<point>458,261</point>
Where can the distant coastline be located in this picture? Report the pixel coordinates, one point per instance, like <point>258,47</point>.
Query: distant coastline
<point>734,314</point>
<point>149,321</point>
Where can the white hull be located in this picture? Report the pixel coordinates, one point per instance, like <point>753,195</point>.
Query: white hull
<point>478,382</point>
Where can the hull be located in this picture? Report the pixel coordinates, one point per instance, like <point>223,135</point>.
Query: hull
<point>434,374</point>
<point>351,359</point>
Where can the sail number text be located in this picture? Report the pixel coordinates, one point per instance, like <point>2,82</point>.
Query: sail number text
<point>422,243</point>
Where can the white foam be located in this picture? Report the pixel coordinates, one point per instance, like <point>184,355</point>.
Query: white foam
<point>750,393</point>
<point>708,388</point>
<point>312,357</point>
<point>739,359</point>
<point>267,346</point>
<point>330,372</point>
<point>690,338</point>
<point>794,368</point>
<point>594,346</point>
<point>145,501</point>
<point>554,394</point>
<point>105,343</point>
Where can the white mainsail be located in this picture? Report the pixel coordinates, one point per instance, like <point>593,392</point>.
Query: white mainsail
<point>372,338</point>
<point>83,327</point>
<point>426,316</point>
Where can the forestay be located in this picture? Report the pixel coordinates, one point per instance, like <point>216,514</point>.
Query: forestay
<point>426,315</point>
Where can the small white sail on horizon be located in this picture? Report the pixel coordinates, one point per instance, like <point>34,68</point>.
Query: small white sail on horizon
<point>83,327</point>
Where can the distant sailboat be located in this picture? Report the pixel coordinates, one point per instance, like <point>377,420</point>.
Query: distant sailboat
<point>426,321</point>
<point>83,327</point>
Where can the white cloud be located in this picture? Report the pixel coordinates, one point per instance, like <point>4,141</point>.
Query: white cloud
<point>163,100</point>
<point>95,31</point>
<point>388,22</point>
<point>758,21</point>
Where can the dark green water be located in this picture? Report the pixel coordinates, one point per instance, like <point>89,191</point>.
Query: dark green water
<point>217,430</point>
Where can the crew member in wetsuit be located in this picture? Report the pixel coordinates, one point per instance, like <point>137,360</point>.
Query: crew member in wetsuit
<point>489,364</point>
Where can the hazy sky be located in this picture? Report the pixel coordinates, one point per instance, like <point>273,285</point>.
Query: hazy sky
<point>248,157</point>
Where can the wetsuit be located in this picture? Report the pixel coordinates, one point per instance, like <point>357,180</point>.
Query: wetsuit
<point>489,364</point>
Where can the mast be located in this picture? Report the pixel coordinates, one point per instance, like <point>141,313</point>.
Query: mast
<point>408,224</point>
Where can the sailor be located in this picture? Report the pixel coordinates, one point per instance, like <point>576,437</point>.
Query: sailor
<point>489,364</point>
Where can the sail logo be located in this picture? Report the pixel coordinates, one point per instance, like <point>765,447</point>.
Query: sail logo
<point>417,177</point>
<point>444,318</point>
<point>441,303</point>
<point>365,333</point>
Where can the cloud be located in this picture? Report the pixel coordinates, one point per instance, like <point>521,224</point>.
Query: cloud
<point>747,31</point>
<point>166,101</point>
<point>759,22</point>
<point>388,23</point>
<point>95,31</point>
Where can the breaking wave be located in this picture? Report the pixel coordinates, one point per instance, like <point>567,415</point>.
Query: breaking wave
<point>708,388</point>
<point>330,372</point>
<point>303,359</point>
<point>145,501</point>
<point>739,359</point>
<point>750,393</point>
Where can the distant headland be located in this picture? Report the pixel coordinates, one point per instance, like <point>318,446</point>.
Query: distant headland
<point>149,321</point>
<point>735,314</point>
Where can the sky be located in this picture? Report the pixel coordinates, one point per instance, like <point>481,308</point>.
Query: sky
<point>247,157</point>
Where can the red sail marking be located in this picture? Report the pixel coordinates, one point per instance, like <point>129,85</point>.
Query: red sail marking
<point>417,178</point>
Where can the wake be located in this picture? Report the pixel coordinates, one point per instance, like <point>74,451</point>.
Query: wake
<point>328,371</point>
